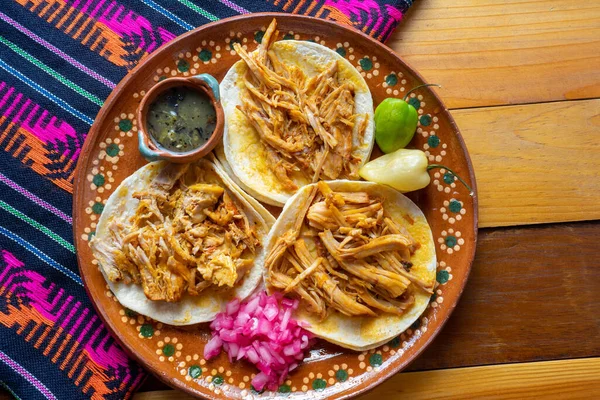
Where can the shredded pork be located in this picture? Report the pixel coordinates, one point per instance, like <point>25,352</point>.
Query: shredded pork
<point>306,123</point>
<point>185,236</point>
<point>345,253</point>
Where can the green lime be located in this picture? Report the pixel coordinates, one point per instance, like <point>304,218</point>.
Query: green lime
<point>395,124</point>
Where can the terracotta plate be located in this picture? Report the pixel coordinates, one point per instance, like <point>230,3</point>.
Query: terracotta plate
<point>174,354</point>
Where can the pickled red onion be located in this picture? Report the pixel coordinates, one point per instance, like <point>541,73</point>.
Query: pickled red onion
<point>261,331</point>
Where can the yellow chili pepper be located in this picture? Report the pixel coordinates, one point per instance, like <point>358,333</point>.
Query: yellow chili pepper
<point>405,170</point>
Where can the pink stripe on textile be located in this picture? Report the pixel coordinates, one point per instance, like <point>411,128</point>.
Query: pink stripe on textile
<point>7,95</point>
<point>34,287</point>
<point>55,130</point>
<point>36,199</point>
<point>114,357</point>
<point>137,380</point>
<point>98,7</point>
<point>78,322</point>
<point>14,104</point>
<point>55,49</point>
<point>24,106</point>
<point>73,311</point>
<point>395,17</point>
<point>27,375</point>
<point>130,24</point>
<point>48,128</point>
<point>235,7</point>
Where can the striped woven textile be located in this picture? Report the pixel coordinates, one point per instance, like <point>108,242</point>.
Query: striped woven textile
<point>59,60</point>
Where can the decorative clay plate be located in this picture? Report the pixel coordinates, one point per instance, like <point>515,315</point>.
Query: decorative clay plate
<point>174,354</point>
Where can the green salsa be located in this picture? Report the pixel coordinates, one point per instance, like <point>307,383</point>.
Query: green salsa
<point>181,119</point>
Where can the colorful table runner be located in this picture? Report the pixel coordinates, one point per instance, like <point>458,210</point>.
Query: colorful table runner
<point>59,60</point>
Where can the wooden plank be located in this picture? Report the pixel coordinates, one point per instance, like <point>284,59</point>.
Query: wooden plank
<point>532,295</point>
<point>535,163</point>
<point>550,380</point>
<point>489,52</point>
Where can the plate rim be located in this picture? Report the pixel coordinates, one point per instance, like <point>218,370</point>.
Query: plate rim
<point>116,93</point>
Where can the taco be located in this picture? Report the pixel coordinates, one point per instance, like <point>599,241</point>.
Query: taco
<point>295,112</point>
<point>176,242</point>
<point>360,257</point>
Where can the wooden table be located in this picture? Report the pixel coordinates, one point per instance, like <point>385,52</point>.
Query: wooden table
<point>522,79</point>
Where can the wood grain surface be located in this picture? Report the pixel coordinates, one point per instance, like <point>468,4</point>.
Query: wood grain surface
<point>535,163</point>
<point>550,380</point>
<point>489,52</point>
<point>532,295</point>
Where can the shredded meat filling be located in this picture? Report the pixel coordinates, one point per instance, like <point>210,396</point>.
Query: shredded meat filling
<point>345,253</point>
<point>306,124</point>
<point>184,236</point>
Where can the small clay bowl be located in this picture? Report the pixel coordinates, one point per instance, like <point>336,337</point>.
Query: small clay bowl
<point>153,151</point>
